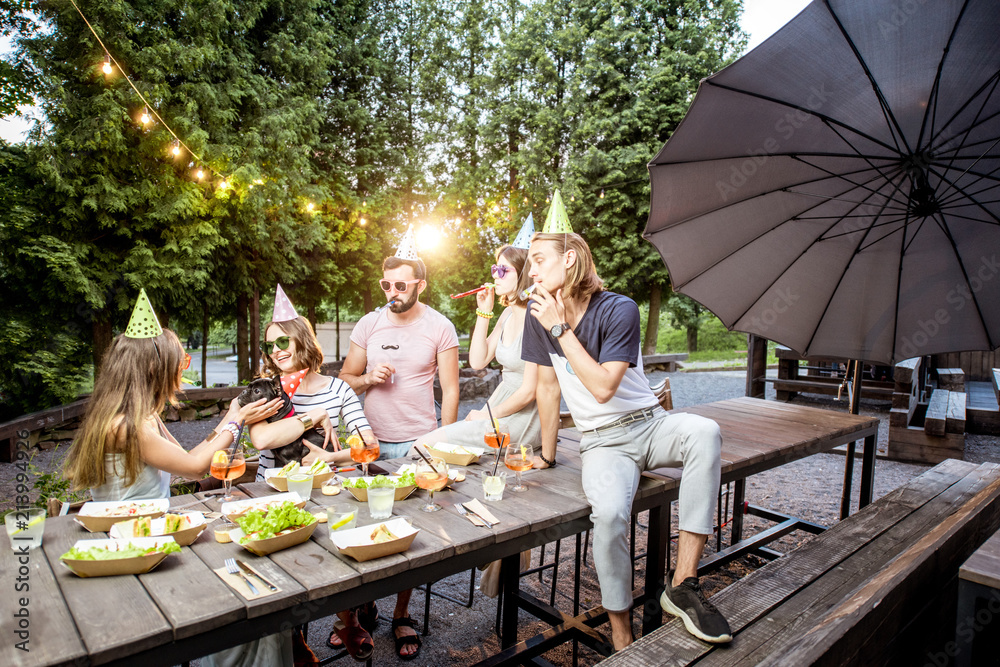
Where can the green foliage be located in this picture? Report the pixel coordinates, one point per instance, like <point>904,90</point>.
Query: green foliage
<point>463,116</point>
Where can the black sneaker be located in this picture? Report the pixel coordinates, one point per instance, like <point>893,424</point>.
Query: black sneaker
<point>700,616</point>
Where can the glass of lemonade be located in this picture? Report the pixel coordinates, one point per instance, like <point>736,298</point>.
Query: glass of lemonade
<point>493,485</point>
<point>25,527</point>
<point>301,483</point>
<point>341,517</point>
<point>380,499</point>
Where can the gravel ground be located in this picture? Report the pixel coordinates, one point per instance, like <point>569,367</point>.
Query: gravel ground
<point>809,488</point>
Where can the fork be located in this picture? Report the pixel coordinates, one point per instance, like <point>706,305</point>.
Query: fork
<point>466,512</point>
<point>232,569</point>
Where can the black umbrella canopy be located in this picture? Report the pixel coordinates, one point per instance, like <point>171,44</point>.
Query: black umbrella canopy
<point>837,189</point>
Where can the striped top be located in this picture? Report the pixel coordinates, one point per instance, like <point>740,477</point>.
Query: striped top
<point>339,401</point>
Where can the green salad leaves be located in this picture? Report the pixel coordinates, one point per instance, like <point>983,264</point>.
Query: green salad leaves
<point>257,525</point>
<point>406,479</point>
<point>131,551</point>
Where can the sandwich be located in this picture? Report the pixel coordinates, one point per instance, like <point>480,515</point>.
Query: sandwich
<point>174,523</point>
<point>382,534</point>
<point>138,527</point>
<point>290,468</point>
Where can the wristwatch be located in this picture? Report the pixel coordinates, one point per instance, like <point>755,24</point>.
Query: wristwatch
<point>307,422</point>
<point>559,329</point>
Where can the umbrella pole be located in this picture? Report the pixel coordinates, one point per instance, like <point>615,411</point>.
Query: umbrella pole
<point>845,502</point>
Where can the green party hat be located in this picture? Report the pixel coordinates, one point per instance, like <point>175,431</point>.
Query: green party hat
<point>143,323</point>
<point>557,222</point>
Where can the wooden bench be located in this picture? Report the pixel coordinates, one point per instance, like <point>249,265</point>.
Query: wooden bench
<point>931,431</point>
<point>877,588</point>
<point>952,379</point>
<point>823,376</point>
<point>977,625</point>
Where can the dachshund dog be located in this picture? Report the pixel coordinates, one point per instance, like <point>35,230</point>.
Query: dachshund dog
<point>270,388</point>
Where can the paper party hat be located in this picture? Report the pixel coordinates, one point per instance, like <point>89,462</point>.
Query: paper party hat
<point>143,323</point>
<point>523,239</point>
<point>407,249</point>
<point>284,311</point>
<point>557,222</point>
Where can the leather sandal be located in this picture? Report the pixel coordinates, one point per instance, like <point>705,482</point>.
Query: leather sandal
<point>407,639</point>
<point>357,641</point>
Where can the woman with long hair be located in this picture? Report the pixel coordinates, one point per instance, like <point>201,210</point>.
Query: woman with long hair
<point>123,450</point>
<point>513,402</point>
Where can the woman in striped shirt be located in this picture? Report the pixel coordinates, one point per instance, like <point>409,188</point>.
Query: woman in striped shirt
<point>292,351</point>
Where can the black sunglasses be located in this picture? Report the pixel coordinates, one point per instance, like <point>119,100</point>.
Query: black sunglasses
<point>268,345</point>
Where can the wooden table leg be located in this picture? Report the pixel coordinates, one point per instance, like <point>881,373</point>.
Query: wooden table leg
<point>868,471</point>
<point>657,544</point>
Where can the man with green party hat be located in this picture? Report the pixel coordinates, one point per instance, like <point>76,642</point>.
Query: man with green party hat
<point>586,342</point>
<point>143,323</point>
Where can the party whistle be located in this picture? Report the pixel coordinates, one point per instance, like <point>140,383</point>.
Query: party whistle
<point>472,291</point>
<point>526,292</point>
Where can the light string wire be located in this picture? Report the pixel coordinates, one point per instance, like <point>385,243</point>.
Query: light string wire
<point>142,97</point>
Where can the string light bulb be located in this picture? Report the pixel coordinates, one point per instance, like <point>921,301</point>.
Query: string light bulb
<point>573,198</point>
<point>107,64</point>
<point>602,193</point>
<point>200,174</point>
<point>310,206</point>
<point>364,204</point>
<point>144,118</point>
<point>176,150</point>
<point>362,222</point>
<point>223,185</point>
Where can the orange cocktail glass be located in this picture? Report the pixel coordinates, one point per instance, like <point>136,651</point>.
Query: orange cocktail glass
<point>228,466</point>
<point>433,477</point>
<point>518,458</point>
<point>362,452</point>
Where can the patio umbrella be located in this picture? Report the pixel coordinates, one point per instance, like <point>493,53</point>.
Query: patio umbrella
<point>837,189</point>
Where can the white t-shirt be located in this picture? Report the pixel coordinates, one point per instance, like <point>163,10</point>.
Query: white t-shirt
<point>609,331</point>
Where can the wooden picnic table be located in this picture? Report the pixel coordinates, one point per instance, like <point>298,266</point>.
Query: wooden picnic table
<point>183,610</point>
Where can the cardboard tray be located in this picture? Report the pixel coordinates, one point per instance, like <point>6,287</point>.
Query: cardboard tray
<point>238,508</point>
<point>272,544</point>
<point>361,495</point>
<point>278,483</point>
<point>456,458</point>
<point>102,524</point>
<point>107,568</point>
<point>196,526</point>
<point>357,543</point>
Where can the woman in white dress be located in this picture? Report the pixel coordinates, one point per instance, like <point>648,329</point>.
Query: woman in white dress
<point>513,402</point>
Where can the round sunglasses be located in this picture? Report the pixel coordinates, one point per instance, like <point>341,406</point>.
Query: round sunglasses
<point>280,342</point>
<point>498,271</point>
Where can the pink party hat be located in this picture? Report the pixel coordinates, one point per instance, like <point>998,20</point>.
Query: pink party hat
<point>284,311</point>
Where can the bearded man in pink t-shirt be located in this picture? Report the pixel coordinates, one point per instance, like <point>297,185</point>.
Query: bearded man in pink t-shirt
<point>395,352</point>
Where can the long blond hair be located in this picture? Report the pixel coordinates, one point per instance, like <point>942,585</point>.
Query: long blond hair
<point>581,278</point>
<point>138,377</point>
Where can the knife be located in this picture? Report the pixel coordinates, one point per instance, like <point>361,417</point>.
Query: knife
<point>246,568</point>
<point>489,524</point>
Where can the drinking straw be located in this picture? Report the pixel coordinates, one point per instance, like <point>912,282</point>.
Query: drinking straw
<point>424,457</point>
<point>496,430</point>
